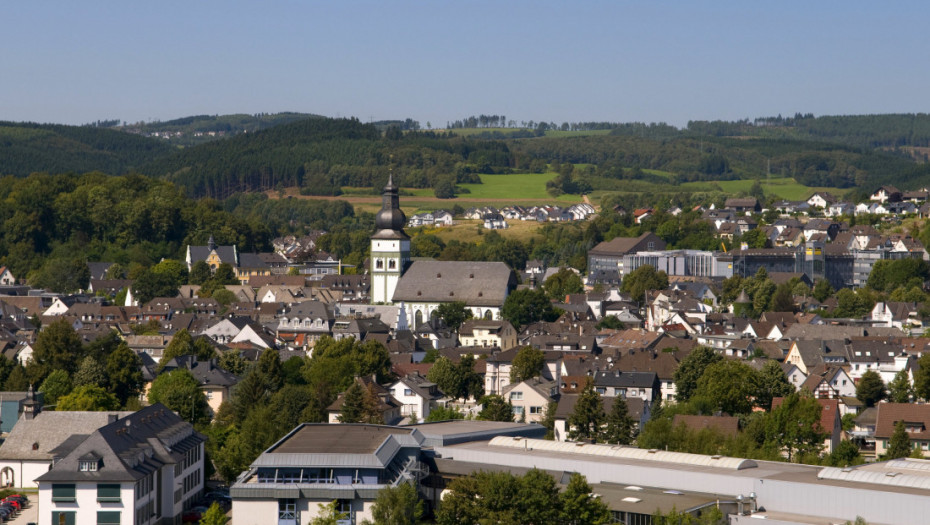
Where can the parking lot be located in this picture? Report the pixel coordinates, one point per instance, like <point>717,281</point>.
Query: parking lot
<point>29,514</point>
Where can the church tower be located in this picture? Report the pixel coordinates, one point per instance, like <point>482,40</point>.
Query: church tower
<point>390,246</point>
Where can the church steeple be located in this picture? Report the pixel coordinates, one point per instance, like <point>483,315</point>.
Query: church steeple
<point>390,246</point>
<point>391,219</point>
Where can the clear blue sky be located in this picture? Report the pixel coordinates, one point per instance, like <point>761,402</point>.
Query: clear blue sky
<point>438,60</point>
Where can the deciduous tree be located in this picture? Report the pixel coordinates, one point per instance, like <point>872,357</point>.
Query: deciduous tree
<point>527,364</point>
<point>397,505</point>
<point>691,369</point>
<point>88,397</point>
<point>579,506</point>
<point>871,388</point>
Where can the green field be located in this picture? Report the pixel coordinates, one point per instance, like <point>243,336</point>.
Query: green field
<point>785,188</point>
<point>517,186</point>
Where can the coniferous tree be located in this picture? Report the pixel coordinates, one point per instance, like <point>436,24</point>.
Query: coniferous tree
<point>353,404</point>
<point>586,419</point>
<point>899,389</point>
<point>619,425</point>
<point>899,446</point>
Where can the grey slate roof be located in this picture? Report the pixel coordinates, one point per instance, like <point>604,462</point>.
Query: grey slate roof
<point>227,254</point>
<point>343,445</point>
<point>626,379</point>
<point>475,283</point>
<point>130,448</point>
<point>49,430</point>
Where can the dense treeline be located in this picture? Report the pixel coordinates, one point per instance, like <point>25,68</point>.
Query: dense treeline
<point>871,131</point>
<point>28,147</point>
<point>54,222</point>
<point>322,155</point>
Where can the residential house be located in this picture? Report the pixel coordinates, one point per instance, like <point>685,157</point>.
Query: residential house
<point>499,364</point>
<point>916,419</point>
<point>821,199</point>
<point>614,383</point>
<point>146,468</point>
<point>216,383</point>
<point>6,277</point>
<point>531,398</point>
<point>638,409</point>
<point>389,407</point>
<point>416,394</point>
<point>886,194</point>
<point>829,382</point>
<point>494,221</point>
<point>484,333</point>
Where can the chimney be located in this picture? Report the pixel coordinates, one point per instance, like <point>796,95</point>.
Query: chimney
<point>112,418</point>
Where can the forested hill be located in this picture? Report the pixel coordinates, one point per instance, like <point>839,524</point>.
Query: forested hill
<point>322,155</point>
<point>27,148</point>
<point>869,131</point>
<point>197,129</point>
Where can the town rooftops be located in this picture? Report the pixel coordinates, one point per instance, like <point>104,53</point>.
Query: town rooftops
<point>624,245</point>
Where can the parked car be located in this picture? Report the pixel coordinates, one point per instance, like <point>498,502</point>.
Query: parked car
<point>193,514</point>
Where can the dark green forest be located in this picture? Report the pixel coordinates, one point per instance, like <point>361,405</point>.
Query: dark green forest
<point>322,155</point>
<point>29,148</point>
<point>52,221</point>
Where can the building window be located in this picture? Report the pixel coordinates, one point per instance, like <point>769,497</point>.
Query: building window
<point>392,264</point>
<point>535,410</point>
<point>107,517</point>
<point>63,518</point>
<point>108,492</point>
<point>518,411</point>
<point>87,466</point>
<point>379,264</point>
<point>344,506</point>
<point>408,392</point>
<point>516,396</point>
<point>63,492</point>
<point>601,390</point>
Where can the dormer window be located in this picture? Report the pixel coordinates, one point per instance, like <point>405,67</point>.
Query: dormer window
<point>88,466</point>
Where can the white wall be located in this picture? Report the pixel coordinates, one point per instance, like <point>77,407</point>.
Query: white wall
<point>86,506</point>
<point>25,472</point>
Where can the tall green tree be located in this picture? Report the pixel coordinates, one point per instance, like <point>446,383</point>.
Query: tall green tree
<point>91,372</point>
<point>495,408</point>
<point>152,284</point>
<point>579,506</point>
<point>124,373</point>
<point>397,505</point>
<point>728,386</point>
<point>526,306</point>
<point>88,397</point>
<point>691,369</point>
<point>563,283</point>
<point>871,388</point>
<point>55,386</point>
<point>643,279</point>
<point>899,446</point>
<point>771,383</point>
<point>328,514</point>
<point>586,419</point>
<point>57,347</point>
<point>922,377</point>
<point>453,314</point>
<point>527,364</point>
<point>794,426</point>
<point>619,424</point>
<point>899,389</point>
<point>180,391</point>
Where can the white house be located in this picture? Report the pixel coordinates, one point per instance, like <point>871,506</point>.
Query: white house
<point>6,277</point>
<point>417,395</point>
<point>144,469</point>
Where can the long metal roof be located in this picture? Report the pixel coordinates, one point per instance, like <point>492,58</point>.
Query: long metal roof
<point>589,449</point>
